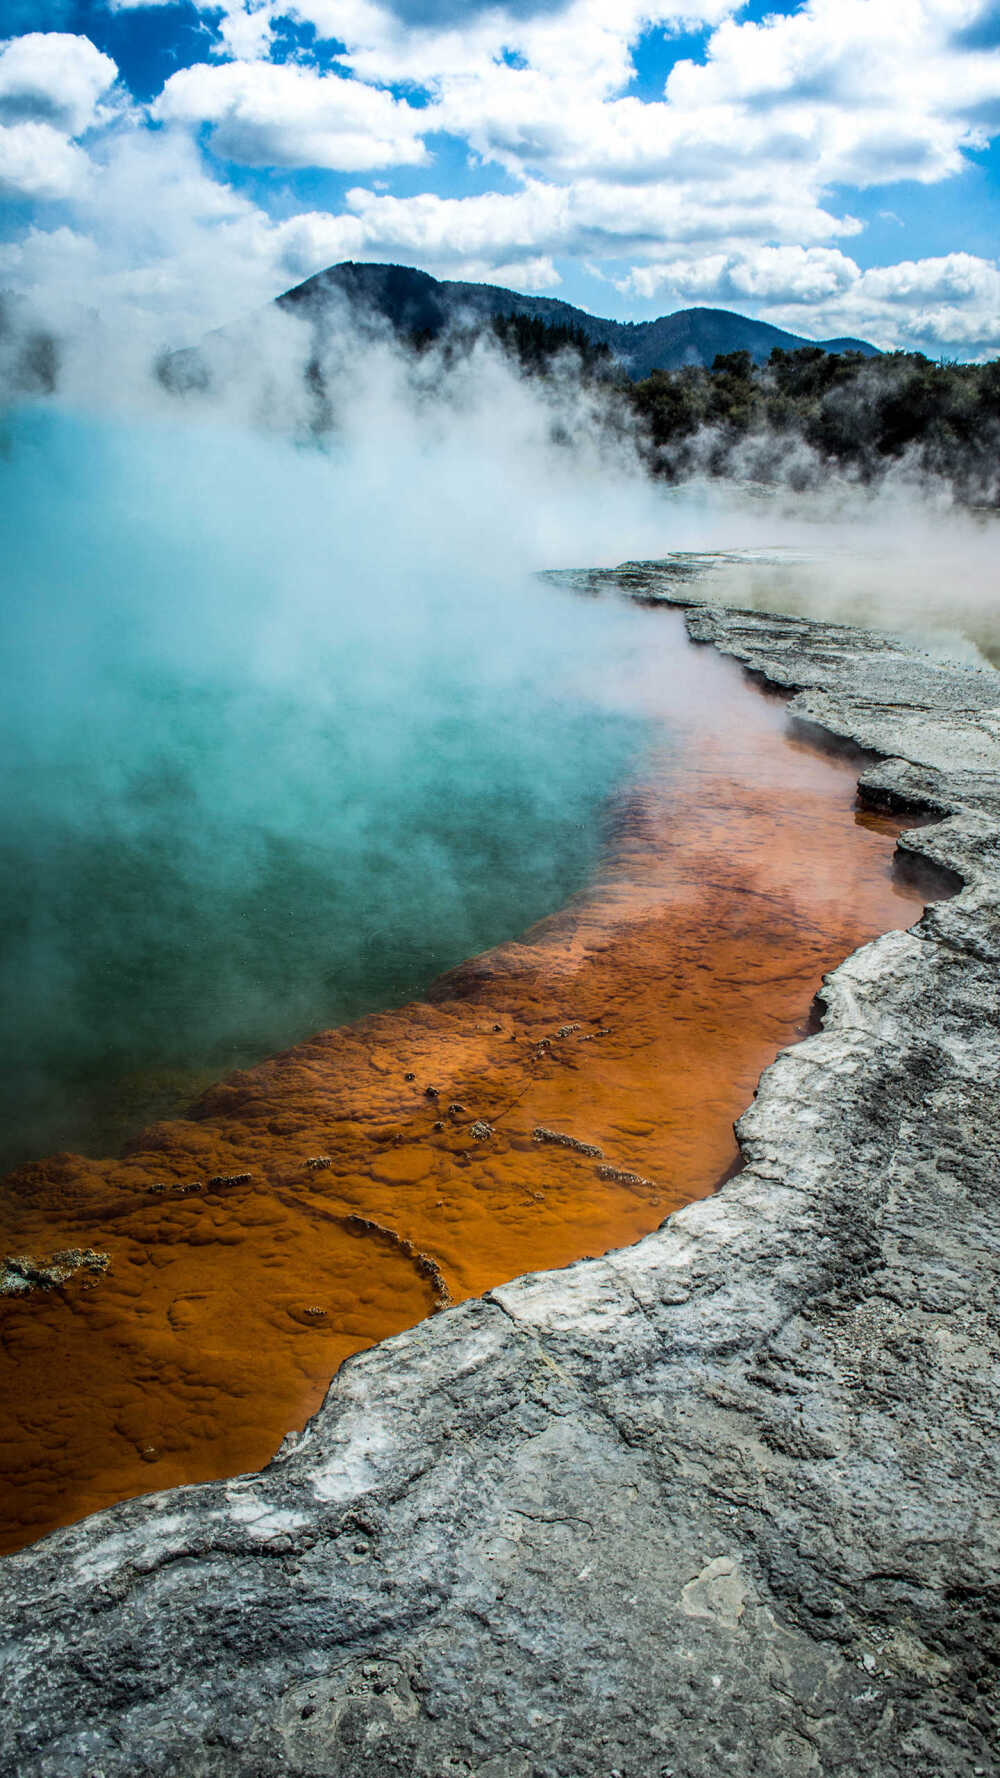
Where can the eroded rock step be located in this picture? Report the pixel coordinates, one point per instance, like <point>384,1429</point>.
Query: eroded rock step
<point>724,1501</point>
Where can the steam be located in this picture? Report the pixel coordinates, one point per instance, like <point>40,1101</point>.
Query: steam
<point>901,559</point>
<point>566,461</point>
<point>289,727</point>
<point>290,724</point>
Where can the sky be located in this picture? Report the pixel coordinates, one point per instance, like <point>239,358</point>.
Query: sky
<point>833,166</point>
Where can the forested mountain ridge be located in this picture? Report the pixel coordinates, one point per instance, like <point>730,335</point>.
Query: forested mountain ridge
<point>414,303</point>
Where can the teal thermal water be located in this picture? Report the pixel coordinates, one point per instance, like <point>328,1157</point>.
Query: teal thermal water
<point>270,760</point>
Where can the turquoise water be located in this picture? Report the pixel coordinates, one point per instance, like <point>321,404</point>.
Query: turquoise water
<point>270,760</point>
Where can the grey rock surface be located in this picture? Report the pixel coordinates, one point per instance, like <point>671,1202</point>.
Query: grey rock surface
<point>725,1502</point>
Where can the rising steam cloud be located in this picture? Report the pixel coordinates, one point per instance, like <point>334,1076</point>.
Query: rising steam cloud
<point>290,725</point>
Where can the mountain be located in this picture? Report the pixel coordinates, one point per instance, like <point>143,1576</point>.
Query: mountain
<point>414,302</point>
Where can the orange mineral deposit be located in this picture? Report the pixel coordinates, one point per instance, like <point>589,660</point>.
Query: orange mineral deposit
<point>556,1097</point>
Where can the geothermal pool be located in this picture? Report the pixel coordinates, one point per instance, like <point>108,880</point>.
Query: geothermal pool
<point>261,772</point>
<point>261,792</point>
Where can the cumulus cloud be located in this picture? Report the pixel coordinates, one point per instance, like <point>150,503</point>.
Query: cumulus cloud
<point>727,188</point>
<point>888,94</point>
<point>934,304</point>
<point>582,44</point>
<point>716,192</point>
<point>36,162</point>
<point>588,219</point>
<point>53,78</point>
<point>786,274</point>
<point>853,92</point>
<point>52,86</point>
<point>952,278</point>
<point>289,116</point>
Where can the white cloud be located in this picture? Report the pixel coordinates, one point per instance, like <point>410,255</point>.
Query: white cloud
<point>51,88</point>
<point>720,191</point>
<point>721,187</point>
<point>952,278</point>
<point>771,274</point>
<point>164,252</point>
<point>950,304</point>
<point>583,45</point>
<point>847,91</point>
<point>271,115</point>
<point>588,218</point>
<point>53,78</point>
<point>38,163</point>
<point>854,92</point>
<point>942,303</point>
<point>890,93</point>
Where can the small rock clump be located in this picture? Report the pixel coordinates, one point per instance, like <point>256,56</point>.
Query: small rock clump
<point>22,1274</point>
<point>621,1176</point>
<point>559,1140</point>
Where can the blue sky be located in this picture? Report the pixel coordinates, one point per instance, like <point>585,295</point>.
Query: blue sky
<point>832,166</point>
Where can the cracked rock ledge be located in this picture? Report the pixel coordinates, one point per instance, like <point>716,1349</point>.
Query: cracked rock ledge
<point>723,1502</point>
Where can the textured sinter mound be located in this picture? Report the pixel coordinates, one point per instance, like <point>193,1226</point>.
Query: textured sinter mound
<point>555,1099</point>
<point>719,1503</point>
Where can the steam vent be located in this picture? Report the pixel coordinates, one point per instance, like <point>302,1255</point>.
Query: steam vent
<point>722,1501</point>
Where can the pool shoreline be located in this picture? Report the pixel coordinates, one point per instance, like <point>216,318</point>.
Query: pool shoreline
<point>555,1097</point>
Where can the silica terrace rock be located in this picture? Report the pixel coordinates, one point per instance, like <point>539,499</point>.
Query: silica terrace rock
<point>725,1501</point>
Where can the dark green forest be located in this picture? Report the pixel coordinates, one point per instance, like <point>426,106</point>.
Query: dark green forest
<point>806,412</point>
<point>795,418</point>
<point>533,343</point>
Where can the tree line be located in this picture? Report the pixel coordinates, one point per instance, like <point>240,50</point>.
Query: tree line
<point>806,411</point>
<point>795,418</point>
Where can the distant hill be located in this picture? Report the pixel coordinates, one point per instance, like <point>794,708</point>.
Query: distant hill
<point>415,303</point>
